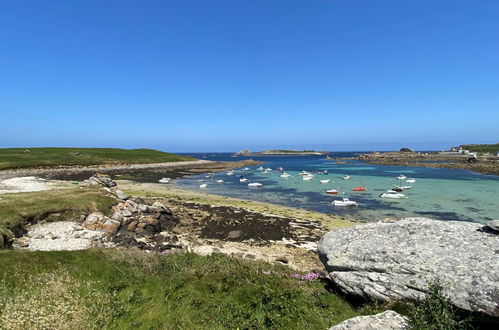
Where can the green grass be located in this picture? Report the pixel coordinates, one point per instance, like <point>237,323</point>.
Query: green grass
<point>56,205</point>
<point>119,289</point>
<point>482,148</point>
<point>11,158</point>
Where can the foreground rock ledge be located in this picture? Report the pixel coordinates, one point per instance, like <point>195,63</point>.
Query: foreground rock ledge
<point>399,260</point>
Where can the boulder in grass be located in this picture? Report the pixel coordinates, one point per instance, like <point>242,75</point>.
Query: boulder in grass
<point>388,320</point>
<point>400,260</point>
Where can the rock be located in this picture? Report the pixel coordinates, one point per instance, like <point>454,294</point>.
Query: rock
<point>22,241</point>
<point>401,259</point>
<point>143,208</point>
<point>388,320</point>
<point>99,180</point>
<point>234,234</point>
<point>406,150</point>
<point>160,207</point>
<point>94,221</point>
<point>282,260</point>
<point>111,226</point>
<point>494,225</point>
<point>121,195</point>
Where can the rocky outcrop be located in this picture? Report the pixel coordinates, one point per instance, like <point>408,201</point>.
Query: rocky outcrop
<point>241,153</point>
<point>388,320</point>
<point>406,150</point>
<point>494,225</point>
<point>401,259</point>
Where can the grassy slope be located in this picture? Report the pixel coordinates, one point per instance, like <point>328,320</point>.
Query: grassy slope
<point>17,158</point>
<point>125,289</point>
<point>330,222</point>
<point>58,204</point>
<point>482,148</point>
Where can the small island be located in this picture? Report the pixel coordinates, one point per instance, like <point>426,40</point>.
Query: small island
<point>280,152</point>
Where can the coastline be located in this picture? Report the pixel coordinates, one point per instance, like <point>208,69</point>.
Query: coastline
<point>484,165</point>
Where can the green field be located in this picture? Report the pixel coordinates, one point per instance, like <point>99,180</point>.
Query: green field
<point>11,158</point>
<point>120,289</point>
<point>482,148</point>
<point>56,205</point>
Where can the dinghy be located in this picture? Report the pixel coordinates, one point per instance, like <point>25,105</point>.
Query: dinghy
<point>219,181</point>
<point>360,188</point>
<point>254,184</point>
<point>325,181</point>
<point>204,185</point>
<point>285,175</point>
<point>308,177</point>
<point>346,177</point>
<point>332,192</point>
<point>410,180</point>
<point>243,180</point>
<point>165,180</point>
<point>401,177</point>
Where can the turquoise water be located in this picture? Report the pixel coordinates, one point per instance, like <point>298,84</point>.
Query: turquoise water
<point>445,194</point>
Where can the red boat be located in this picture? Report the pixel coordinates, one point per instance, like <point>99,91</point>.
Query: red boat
<point>332,192</point>
<point>359,188</point>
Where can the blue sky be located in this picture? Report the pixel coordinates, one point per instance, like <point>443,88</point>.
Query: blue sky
<point>224,75</point>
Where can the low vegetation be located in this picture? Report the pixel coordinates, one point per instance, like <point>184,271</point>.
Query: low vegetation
<point>56,205</point>
<point>482,148</point>
<point>118,289</point>
<point>11,158</point>
<point>437,313</point>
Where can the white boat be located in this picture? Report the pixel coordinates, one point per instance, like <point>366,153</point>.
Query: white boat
<point>325,181</point>
<point>307,177</point>
<point>165,180</point>
<point>401,188</point>
<point>219,181</point>
<point>246,169</point>
<point>304,173</point>
<point>401,177</point>
<point>285,175</point>
<point>268,169</point>
<point>254,184</point>
<point>392,194</point>
<point>243,180</point>
<point>208,176</point>
<point>344,202</point>
<point>410,180</point>
<point>332,192</point>
<point>204,185</point>
<point>346,177</point>
<point>260,168</point>
<point>231,172</point>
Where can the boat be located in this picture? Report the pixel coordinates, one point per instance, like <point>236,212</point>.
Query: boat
<point>204,185</point>
<point>410,180</point>
<point>346,177</point>
<point>246,169</point>
<point>280,169</point>
<point>268,169</point>
<point>325,181</point>
<point>392,194</point>
<point>401,177</point>
<point>232,172</point>
<point>344,202</point>
<point>219,181</point>
<point>260,168</point>
<point>209,176</point>
<point>285,175</point>
<point>165,180</point>
<point>304,173</point>
<point>332,192</point>
<point>308,177</point>
<point>243,180</point>
<point>255,184</point>
<point>360,188</point>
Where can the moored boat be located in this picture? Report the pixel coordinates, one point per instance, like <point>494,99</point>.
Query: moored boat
<point>243,180</point>
<point>204,185</point>
<point>219,181</point>
<point>344,202</point>
<point>332,192</point>
<point>307,177</point>
<point>285,175</point>
<point>325,181</point>
<point>410,180</point>
<point>359,188</point>
<point>401,177</point>
<point>346,177</point>
<point>392,194</point>
<point>254,184</point>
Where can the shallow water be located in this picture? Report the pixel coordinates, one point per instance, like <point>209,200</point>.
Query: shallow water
<point>446,194</point>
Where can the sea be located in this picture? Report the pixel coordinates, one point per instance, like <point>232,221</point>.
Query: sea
<point>445,194</point>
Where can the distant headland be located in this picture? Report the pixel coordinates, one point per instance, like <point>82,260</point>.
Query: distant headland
<point>279,152</point>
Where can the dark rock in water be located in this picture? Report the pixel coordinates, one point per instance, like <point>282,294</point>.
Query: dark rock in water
<point>494,225</point>
<point>388,320</point>
<point>401,259</point>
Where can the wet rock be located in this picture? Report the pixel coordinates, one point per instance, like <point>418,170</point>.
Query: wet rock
<point>388,320</point>
<point>494,225</point>
<point>400,260</point>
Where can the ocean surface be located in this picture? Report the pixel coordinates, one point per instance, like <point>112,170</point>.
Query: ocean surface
<point>446,194</point>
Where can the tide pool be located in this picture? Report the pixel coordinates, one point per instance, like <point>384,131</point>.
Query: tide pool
<point>445,194</point>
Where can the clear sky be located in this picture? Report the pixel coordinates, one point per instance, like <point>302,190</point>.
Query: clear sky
<point>225,75</point>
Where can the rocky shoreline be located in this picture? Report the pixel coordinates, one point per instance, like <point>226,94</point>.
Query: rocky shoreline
<point>483,165</point>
